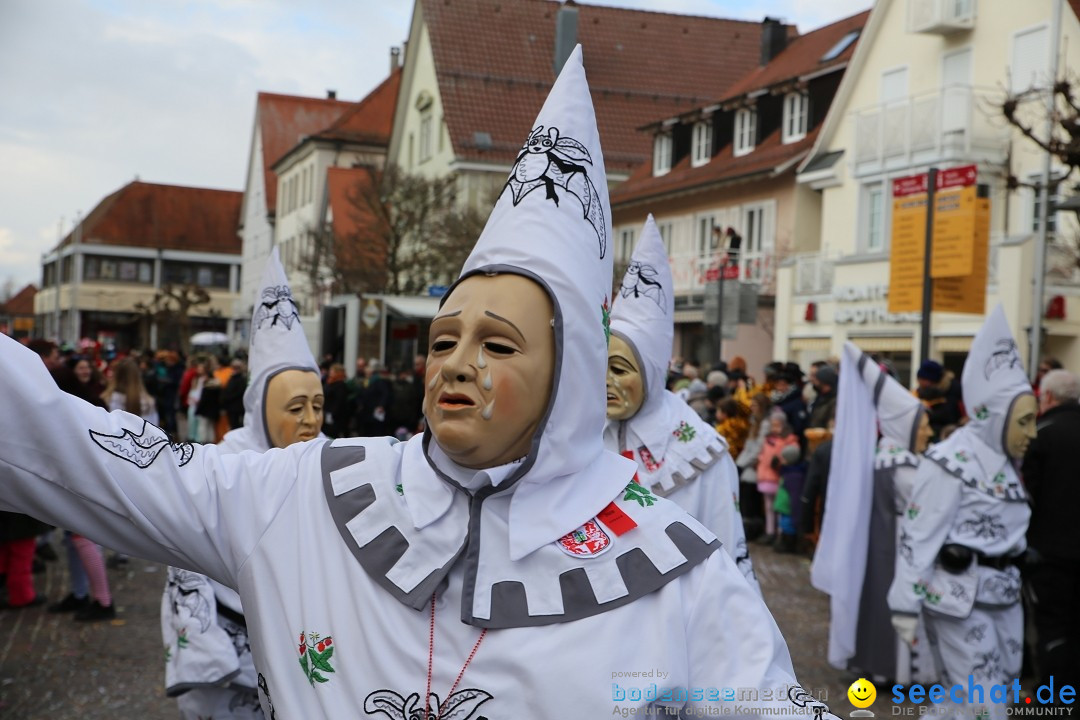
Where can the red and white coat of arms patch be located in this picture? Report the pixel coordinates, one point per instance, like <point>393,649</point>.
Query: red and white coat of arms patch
<point>589,540</point>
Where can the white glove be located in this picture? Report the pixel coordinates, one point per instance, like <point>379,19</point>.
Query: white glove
<point>905,626</point>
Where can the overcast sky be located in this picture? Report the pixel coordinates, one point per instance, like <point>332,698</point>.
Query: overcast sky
<point>96,92</point>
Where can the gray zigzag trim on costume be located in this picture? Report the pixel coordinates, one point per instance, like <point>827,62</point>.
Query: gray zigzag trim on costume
<point>885,461</point>
<point>379,556</point>
<point>699,464</point>
<point>1014,492</point>
<point>509,607</point>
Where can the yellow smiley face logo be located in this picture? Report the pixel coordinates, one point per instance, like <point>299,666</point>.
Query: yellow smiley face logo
<point>862,693</point>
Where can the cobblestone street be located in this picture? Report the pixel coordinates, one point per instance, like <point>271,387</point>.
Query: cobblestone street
<point>52,668</point>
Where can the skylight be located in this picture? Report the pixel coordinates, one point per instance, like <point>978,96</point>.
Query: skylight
<point>840,47</point>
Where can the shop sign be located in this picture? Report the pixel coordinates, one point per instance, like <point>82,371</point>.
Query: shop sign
<point>876,314</point>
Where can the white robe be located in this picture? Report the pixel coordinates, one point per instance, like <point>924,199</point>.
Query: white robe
<point>291,528</point>
<point>973,618</point>
<point>698,474</point>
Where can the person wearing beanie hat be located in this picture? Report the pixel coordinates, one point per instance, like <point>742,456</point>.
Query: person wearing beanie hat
<point>939,391</point>
<point>964,528</point>
<point>209,666</point>
<point>679,455</point>
<point>885,431</point>
<point>823,408</point>
<point>502,564</point>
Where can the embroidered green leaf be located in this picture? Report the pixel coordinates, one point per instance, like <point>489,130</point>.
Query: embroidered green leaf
<point>304,665</point>
<point>982,412</point>
<point>605,314</point>
<point>913,512</point>
<point>400,490</point>
<point>962,456</point>
<point>639,494</point>
<point>182,639</point>
<point>316,677</point>
<point>685,432</point>
<point>320,660</point>
<point>168,653</point>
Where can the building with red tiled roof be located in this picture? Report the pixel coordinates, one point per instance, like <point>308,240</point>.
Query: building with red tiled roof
<point>295,141</point>
<point>925,89</point>
<point>477,72</point>
<point>726,168</point>
<point>134,242</point>
<point>17,313</point>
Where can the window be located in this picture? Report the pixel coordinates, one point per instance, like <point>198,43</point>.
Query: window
<point>1030,59</point>
<point>796,110</point>
<point>665,235</point>
<point>755,254</point>
<point>425,136</point>
<point>745,131</point>
<point>626,246</point>
<point>894,85</point>
<point>410,150</point>
<point>1036,206</point>
<point>702,143</point>
<point>707,241</point>
<point>874,217</point>
<point>212,275</point>
<point>661,156</point>
<point>754,222</point>
<point>841,46</point>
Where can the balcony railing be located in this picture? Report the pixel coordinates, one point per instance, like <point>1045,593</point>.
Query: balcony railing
<point>691,272</point>
<point>813,274</point>
<point>940,17</point>
<point>950,122</point>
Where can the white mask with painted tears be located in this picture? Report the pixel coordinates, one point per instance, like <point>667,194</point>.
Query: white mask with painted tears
<point>489,369</point>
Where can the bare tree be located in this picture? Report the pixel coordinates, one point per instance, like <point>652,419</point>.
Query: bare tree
<point>172,307</point>
<point>1027,111</point>
<point>7,289</point>
<point>408,232</point>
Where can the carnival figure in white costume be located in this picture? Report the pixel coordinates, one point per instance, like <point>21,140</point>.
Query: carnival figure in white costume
<point>964,528</point>
<point>502,565</point>
<point>679,455</point>
<point>885,431</point>
<point>208,661</point>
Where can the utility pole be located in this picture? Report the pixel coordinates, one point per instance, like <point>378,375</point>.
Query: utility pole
<point>927,281</point>
<point>1039,281</point>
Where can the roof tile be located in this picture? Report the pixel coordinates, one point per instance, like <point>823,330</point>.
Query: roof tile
<point>169,217</point>
<point>494,64</point>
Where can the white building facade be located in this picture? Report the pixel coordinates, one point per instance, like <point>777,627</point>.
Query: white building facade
<point>925,89</point>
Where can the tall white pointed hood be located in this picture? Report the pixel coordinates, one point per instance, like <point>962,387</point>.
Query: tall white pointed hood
<point>644,316</point>
<point>278,343</point>
<point>992,379</point>
<point>552,223</point>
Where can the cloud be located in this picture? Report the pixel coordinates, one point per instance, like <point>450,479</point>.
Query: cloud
<point>97,92</point>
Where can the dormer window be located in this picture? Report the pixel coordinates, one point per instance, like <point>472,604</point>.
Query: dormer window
<point>745,131</point>
<point>661,157</point>
<point>702,143</point>
<point>796,110</point>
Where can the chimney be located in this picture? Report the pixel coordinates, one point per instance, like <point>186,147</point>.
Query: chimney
<point>566,36</point>
<point>773,39</point>
<point>331,94</point>
<point>395,59</point>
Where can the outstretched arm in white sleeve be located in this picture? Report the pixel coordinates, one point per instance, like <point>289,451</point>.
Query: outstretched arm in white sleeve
<point>117,480</point>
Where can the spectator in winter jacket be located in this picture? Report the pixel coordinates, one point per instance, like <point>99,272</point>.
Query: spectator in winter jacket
<point>769,464</point>
<point>824,380</point>
<point>337,412</point>
<point>1053,573</point>
<point>939,391</point>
